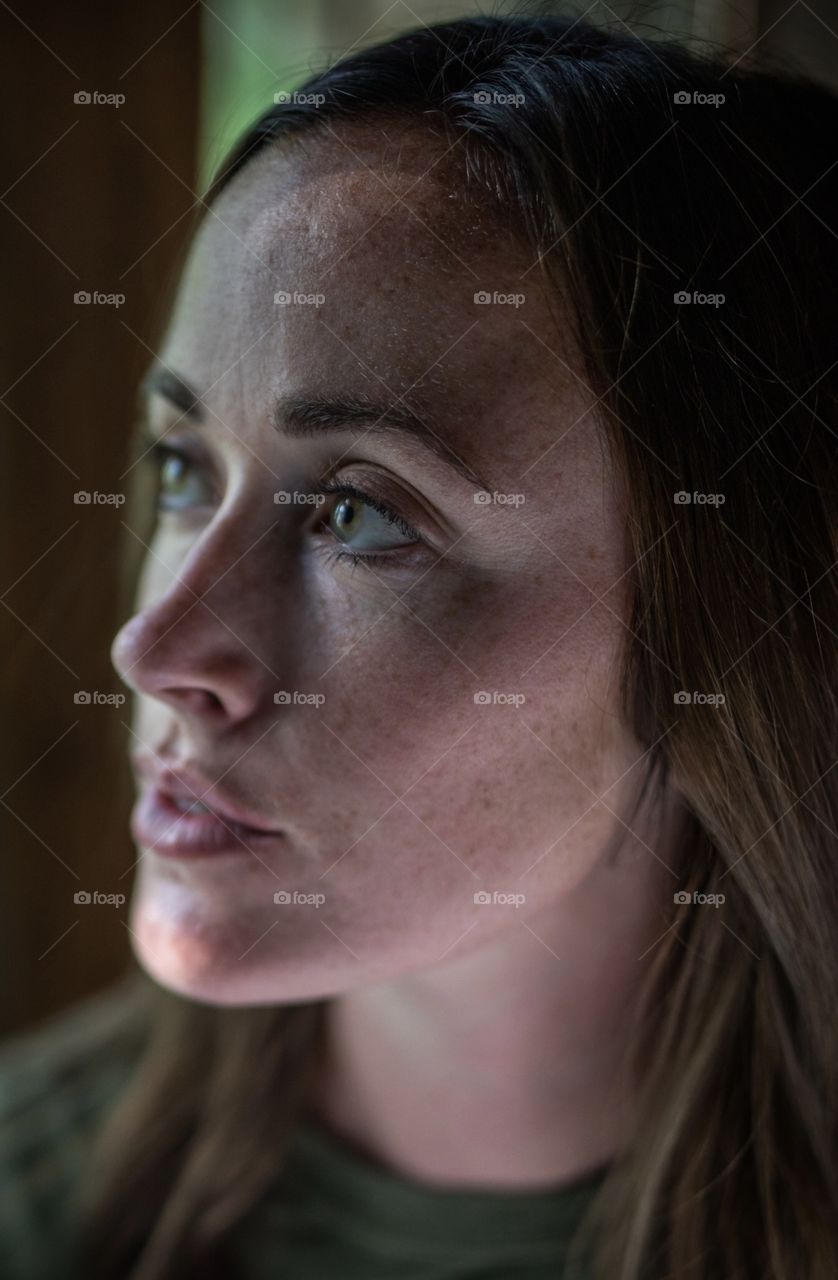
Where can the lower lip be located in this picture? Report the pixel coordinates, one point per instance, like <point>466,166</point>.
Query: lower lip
<point>157,823</point>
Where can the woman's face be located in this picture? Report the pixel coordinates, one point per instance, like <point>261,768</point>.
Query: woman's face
<point>447,728</point>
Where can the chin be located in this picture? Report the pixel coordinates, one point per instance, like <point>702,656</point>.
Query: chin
<point>215,963</point>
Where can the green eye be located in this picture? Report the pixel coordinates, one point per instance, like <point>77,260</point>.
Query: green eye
<point>348,517</point>
<point>179,480</point>
<point>364,525</point>
<point>173,474</point>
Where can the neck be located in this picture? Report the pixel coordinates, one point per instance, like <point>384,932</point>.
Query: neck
<point>504,1067</point>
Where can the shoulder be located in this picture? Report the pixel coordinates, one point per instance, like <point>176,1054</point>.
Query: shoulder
<point>57,1083</point>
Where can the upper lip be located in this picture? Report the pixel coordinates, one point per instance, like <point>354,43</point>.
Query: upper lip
<point>186,783</point>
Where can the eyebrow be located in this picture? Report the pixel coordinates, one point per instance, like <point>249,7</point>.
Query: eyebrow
<point>163,381</point>
<point>304,416</point>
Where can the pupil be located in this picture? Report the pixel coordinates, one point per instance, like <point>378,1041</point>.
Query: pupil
<point>345,513</point>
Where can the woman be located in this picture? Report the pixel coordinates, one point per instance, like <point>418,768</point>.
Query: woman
<point>485,725</point>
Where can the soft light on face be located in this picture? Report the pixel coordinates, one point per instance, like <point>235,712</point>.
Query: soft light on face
<point>449,758</point>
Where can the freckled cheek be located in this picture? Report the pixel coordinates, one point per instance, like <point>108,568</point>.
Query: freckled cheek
<point>400,679</point>
<point>405,681</point>
<point>398,713</point>
<point>497,782</point>
<point>400,716</point>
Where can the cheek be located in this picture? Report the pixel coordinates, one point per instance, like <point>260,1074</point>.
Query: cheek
<point>469,744</point>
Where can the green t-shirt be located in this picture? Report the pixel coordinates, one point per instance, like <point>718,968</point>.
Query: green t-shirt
<point>332,1215</point>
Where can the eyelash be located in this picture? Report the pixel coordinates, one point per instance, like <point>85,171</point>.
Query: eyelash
<point>157,452</point>
<point>369,558</point>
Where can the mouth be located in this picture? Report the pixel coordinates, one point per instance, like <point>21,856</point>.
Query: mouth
<point>177,817</point>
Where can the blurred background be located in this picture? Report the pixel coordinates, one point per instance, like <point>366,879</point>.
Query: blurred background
<point>115,118</point>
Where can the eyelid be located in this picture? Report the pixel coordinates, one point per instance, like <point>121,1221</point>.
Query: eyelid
<point>155,448</point>
<point>176,436</point>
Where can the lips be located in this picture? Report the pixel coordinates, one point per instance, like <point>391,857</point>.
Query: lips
<point>178,814</point>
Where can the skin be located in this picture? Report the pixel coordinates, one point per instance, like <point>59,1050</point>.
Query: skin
<point>399,796</point>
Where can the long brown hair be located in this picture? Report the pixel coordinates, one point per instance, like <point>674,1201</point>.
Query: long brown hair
<point>694,241</point>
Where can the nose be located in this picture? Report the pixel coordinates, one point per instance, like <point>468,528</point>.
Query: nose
<point>194,646</point>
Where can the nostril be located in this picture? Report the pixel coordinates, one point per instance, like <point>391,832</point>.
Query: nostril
<point>197,700</point>
<point>190,659</point>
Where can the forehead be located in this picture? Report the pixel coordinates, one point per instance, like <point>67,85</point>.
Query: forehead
<point>381,260</point>
<point>354,191</point>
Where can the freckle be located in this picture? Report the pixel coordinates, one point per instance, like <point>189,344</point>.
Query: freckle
<point>592,553</point>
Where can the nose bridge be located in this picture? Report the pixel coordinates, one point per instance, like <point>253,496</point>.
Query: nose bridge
<point>196,630</point>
